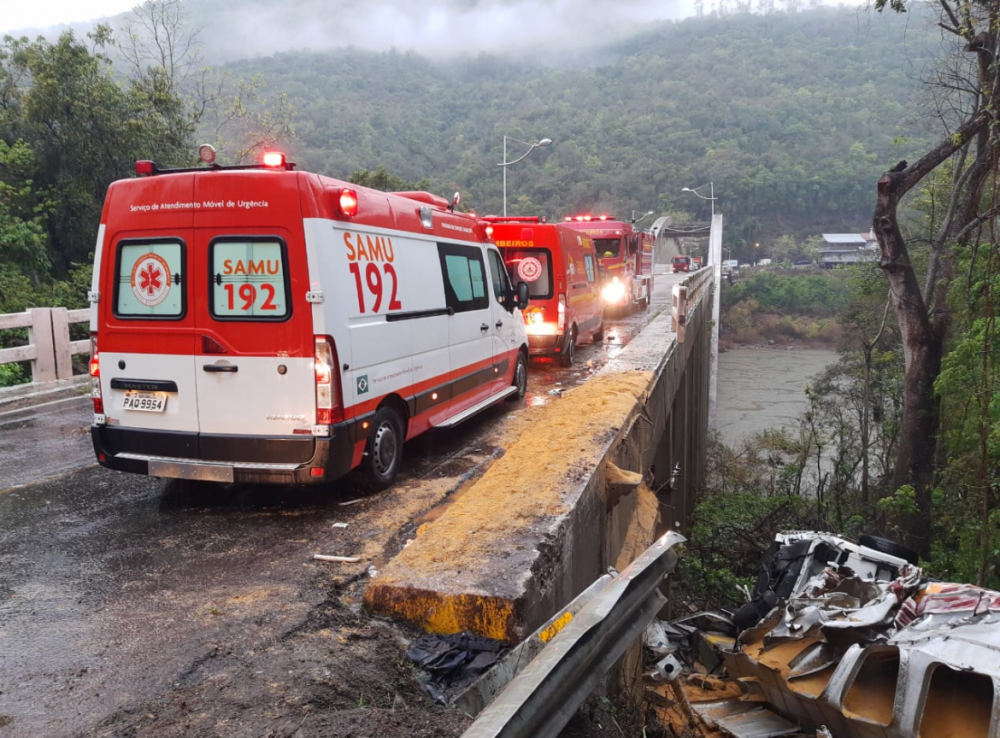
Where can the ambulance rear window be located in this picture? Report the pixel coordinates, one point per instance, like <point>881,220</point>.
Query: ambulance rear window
<point>249,279</point>
<point>150,280</point>
<point>533,266</point>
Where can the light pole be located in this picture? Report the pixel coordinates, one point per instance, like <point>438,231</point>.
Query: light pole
<point>698,194</point>
<point>641,217</point>
<point>505,163</point>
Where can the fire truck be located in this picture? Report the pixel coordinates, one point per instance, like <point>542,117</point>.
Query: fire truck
<point>626,259</point>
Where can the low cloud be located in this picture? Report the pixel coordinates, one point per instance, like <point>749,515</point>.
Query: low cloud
<point>434,29</point>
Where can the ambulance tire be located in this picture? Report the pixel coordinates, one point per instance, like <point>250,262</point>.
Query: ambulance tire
<point>569,351</point>
<point>384,450</point>
<point>520,377</point>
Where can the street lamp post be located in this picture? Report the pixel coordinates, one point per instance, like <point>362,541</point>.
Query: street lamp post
<point>505,163</point>
<point>698,194</point>
<point>641,217</point>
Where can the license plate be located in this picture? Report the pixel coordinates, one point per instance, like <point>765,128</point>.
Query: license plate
<point>150,402</point>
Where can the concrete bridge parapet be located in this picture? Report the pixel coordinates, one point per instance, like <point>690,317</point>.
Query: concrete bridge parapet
<point>578,491</point>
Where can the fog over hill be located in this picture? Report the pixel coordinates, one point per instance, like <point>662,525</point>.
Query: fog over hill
<point>431,28</point>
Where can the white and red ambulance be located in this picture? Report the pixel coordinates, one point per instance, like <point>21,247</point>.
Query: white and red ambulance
<point>262,325</point>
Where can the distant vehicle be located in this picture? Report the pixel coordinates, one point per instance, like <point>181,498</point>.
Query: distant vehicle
<point>262,325</point>
<point>560,267</point>
<point>695,263</point>
<point>802,263</point>
<point>764,263</point>
<point>626,257</point>
<point>682,264</point>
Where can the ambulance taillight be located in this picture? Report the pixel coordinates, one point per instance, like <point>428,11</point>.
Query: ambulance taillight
<point>561,321</point>
<point>329,405</point>
<point>95,376</point>
<point>347,203</point>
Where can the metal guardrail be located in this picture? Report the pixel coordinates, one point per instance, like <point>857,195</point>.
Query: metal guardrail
<point>540,700</point>
<point>49,347</point>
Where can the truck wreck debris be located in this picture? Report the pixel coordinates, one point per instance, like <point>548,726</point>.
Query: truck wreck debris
<point>845,639</point>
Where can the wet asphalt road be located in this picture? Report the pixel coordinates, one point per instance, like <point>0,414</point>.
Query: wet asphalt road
<point>115,588</point>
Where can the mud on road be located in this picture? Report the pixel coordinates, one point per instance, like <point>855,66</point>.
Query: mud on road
<point>136,607</point>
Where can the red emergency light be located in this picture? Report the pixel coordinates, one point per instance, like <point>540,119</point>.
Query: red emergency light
<point>145,168</point>
<point>273,159</point>
<point>347,203</point>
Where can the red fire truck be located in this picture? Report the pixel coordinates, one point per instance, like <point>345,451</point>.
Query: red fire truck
<point>626,257</point>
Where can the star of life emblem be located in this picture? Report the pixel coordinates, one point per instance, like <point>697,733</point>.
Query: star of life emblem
<point>150,279</point>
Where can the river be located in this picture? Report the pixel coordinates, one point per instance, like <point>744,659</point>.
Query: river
<point>762,388</point>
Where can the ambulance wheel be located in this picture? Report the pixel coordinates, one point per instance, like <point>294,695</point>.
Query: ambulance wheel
<point>566,357</point>
<point>520,376</point>
<point>384,450</point>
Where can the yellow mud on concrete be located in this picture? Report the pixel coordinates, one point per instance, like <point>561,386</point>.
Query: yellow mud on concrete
<point>477,555</point>
<point>642,527</point>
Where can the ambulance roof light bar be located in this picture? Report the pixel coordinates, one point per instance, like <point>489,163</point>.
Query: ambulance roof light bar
<point>587,218</point>
<point>206,152</point>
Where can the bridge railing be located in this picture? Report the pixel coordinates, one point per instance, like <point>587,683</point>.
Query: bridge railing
<point>686,298</point>
<point>49,348</point>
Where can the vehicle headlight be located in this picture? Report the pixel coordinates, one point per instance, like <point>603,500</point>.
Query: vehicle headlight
<point>614,291</point>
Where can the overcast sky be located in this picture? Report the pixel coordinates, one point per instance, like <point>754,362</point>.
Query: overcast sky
<point>18,14</point>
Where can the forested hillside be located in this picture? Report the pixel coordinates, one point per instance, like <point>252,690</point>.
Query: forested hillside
<point>791,116</point>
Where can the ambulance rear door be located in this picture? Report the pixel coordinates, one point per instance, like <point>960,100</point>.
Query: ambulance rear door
<point>145,342</point>
<point>254,344</point>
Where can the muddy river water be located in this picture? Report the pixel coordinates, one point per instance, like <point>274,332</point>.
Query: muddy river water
<point>762,388</point>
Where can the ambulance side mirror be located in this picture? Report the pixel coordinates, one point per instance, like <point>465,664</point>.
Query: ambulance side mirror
<point>522,295</point>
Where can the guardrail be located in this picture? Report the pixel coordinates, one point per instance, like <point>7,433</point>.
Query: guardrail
<point>540,700</point>
<point>49,348</point>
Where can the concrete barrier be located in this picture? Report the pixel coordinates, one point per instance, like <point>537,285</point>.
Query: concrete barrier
<point>572,495</point>
<point>50,351</point>
<point>49,348</point>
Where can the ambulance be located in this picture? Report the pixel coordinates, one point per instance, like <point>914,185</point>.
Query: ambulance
<point>560,268</point>
<point>257,324</point>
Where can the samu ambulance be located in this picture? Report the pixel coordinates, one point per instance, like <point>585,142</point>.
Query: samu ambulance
<point>263,325</point>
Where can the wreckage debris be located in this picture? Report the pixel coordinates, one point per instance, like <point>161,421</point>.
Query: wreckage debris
<point>845,639</point>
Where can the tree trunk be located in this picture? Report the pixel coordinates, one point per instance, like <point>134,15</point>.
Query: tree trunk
<point>922,338</point>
